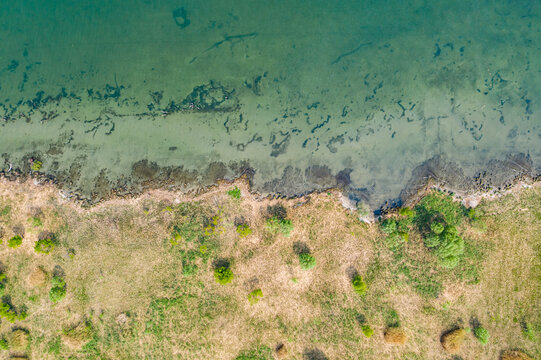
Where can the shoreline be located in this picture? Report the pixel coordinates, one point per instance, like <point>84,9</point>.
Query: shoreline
<point>468,197</point>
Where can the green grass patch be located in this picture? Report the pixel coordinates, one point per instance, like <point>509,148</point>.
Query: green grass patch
<point>15,241</point>
<point>234,193</point>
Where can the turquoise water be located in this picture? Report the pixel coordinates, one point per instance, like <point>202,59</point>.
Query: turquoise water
<point>307,94</point>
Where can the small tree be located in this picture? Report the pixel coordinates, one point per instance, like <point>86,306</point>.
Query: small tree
<point>359,285</point>
<point>307,261</point>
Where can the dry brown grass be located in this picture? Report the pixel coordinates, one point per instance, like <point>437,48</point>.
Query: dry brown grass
<point>514,355</point>
<point>123,264</point>
<point>395,336</point>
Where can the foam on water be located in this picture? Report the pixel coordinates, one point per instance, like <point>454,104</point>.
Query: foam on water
<point>309,94</point>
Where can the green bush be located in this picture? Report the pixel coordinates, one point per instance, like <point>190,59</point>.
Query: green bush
<point>359,285</point>
<point>15,241</point>
<point>388,226</point>
<point>481,334</point>
<point>255,296</point>
<point>3,281</point>
<point>58,289</point>
<point>10,314</point>
<point>36,165</point>
<point>528,331</point>
<point>234,193</point>
<point>244,230</point>
<point>223,275</point>
<point>3,344</point>
<point>307,261</point>
<point>437,227</point>
<point>44,246</point>
<point>367,331</point>
<point>276,225</point>
<point>35,221</point>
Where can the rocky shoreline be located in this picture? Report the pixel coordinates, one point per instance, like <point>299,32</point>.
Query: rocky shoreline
<point>497,178</point>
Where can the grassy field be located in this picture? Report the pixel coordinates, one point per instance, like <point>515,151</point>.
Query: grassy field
<point>225,275</point>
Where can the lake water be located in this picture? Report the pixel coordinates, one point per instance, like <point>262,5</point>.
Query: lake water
<point>302,95</point>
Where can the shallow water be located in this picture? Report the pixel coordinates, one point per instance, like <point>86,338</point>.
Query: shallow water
<point>308,94</point>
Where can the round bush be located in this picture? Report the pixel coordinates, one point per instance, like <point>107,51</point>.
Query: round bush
<point>307,261</point>
<point>223,275</point>
<point>44,246</point>
<point>359,285</point>
<point>367,331</point>
<point>481,334</point>
<point>15,241</point>
<point>437,228</point>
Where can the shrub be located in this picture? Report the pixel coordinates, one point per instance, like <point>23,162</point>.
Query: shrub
<point>244,230</point>
<point>15,241</point>
<point>223,275</point>
<point>35,221</point>
<point>307,261</point>
<point>437,227</point>
<point>528,331</point>
<point>10,314</point>
<point>276,225</point>
<point>388,226</point>
<point>481,334</point>
<point>255,296</point>
<point>406,211</point>
<point>367,331</point>
<point>3,344</point>
<point>58,290</point>
<point>359,285</point>
<point>44,246</point>
<point>3,281</point>
<point>234,193</point>
<point>36,165</point>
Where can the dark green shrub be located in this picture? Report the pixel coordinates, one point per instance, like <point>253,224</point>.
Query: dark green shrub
<point>359,285</point>
<point>44,246</point>
<point>223,275</point>
<point>58,289</point>
<point>234,193</point>
<point>307,261</point>
<point>255,296</point>
<point>244,230</point>
<point>15,241</point>
<point>481,334</point>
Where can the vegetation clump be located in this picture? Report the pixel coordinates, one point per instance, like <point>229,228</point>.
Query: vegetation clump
<point>359,285</point>
<point>307,261</point>
<point>244,230</point>
<point>481,334</point>
<point>77,336</point>
<point>437,217</point>
<point>234,193</point>
<point>36,165</point>
<point>277,221</point>
<point>8,312</point>
<point>44,246</point>
<point>4,344</point>
<point>255,296</point>
<point>223,275</point>
<point>367,330</point>
<point>15,241</point>
<point>58,289</point>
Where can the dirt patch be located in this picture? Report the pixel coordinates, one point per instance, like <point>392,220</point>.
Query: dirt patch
<point>395,336</point>
<point>452,340</point>
<point>37,278</point>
